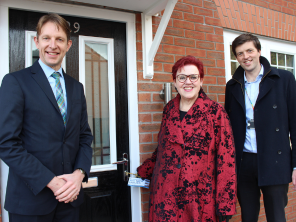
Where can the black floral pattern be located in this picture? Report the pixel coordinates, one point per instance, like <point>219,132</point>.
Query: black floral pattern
<point>192,171</point>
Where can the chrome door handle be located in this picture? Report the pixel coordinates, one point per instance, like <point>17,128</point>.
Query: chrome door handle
<point>124,161</point>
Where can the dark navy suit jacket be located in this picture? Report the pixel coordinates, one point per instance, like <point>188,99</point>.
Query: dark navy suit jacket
<point>34,142</point>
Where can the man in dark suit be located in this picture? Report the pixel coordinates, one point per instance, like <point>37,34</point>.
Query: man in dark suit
<point>45,138</point>
<point>261,103</point>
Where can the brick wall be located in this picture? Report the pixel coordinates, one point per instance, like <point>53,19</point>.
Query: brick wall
<point>196,28</point>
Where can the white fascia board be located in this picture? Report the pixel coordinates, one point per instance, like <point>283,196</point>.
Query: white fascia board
<point>150,47</point>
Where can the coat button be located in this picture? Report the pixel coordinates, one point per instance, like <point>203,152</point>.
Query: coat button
<point>179,166</point>
<point>279,152</point>
<point>274,106</point>
<point>277,129</point>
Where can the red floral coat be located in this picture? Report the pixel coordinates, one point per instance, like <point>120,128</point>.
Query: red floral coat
<point>193,168</point>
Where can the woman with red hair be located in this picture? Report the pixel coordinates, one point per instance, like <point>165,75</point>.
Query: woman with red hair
<point>192,170</point>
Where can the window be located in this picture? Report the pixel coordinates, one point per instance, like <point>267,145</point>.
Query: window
<point>233,61</point>
<point>282,61</point>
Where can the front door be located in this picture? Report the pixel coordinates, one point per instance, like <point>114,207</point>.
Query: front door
<point>97,58</point>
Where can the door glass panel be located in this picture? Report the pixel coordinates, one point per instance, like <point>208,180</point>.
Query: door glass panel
<point>233,62</point>
<point>96,73</point>
<point>273,58</point>
<point>97,97</point>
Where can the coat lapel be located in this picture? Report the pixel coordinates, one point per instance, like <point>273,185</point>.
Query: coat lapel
<point>39,76</point>
<point>239,95</point>
<point>266,86</point>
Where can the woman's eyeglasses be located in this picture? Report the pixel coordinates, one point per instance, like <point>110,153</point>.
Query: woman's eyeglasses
<point>182,78</point>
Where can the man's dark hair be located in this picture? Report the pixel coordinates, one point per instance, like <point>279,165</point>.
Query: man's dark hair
<point>243,38</point>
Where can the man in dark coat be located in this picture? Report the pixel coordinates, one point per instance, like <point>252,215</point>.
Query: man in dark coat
<point>45,137</point>
<point>261,103</point>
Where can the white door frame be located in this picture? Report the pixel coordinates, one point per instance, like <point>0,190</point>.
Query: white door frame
<point>71,10</point>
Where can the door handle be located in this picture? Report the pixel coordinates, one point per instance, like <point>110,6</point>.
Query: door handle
<point>124,162</point>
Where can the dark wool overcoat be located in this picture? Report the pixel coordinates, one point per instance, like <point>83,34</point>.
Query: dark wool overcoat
<point>274,118</point>
<point>193,168</point>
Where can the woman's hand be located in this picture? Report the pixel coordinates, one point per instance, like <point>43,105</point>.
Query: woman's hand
<point>225,218</point>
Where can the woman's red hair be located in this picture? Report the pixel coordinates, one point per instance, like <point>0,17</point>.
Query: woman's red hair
<point>188,60</point>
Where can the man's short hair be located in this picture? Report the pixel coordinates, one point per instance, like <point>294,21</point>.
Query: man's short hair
<point>56,19</point>
<point>243,38</point>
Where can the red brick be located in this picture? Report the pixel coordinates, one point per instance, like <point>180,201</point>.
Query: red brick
<point>287,10</point>
<point>291,5</point>
<point>138,36</point>
<point>164,58</point>
<point>215,55</point>
<point>216,15</point>
<point>195,35</point>
<point>196,52</point>
<point>219,47</point>
<point>221,98</point>
<point>174,49</point>
<point>138,17</point>
<point>138,27</point>
<point>139,66</point>
<point>275,7</point>
<point>208,62</point>
<point>145,197</point>
<point>220,63</point>
<point>209,5</point>
<point>139,55</point>
<point>145,148</point>
<point>205,45</point>
<point>183,24</point>
<point>155,137</point>
<point>193,2</point>
<point>167,40</point>
<point>203,11</point>
<point>214,38</point>
<point>149,87</point>
<point>167,67</point>
<point>212,96</point>
<point>216,72</point>
<point>210,80</point>
<point>150,107</point>
<point>156,97</point>
<point>193,18</point>
<point>144,97</point>
<point>149,127</point>
<point>145,156</point>
<point>157,66</point>
<point>216,89</point>
<point>184,42</point>
<point>204,28</point>
<point>139,46</point>
<point>249,1</point>
<point>157,117</point>
<point>145,138</point>
<point>212,21</point>
<point>218,31</point>
<point>183,7</point>
<point>174,31</point>
<point>221,80</point>
<point>158,77</point>
<point>177,15</point>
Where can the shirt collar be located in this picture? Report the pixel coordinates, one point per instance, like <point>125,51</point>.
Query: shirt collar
<point>48,70</point>
<point>258,77</point>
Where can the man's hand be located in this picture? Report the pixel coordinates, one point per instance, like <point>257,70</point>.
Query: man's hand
<point>294,179</point>
<point>69,192</point>
<point>55,184</point>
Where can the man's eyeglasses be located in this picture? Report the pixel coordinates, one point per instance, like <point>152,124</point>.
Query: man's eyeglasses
<point>182,78</point>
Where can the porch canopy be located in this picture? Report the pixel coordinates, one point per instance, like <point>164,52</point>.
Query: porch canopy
<point>147,8</point>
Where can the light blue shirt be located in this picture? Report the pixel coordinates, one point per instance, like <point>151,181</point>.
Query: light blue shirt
<point>253,92</point>
<point>48,71</point>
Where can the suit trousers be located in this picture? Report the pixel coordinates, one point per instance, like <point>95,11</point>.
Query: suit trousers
<point>62,213</point>
<point>275,197</point>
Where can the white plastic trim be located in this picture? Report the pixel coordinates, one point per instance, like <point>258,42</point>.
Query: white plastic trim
<point>150,47</point>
